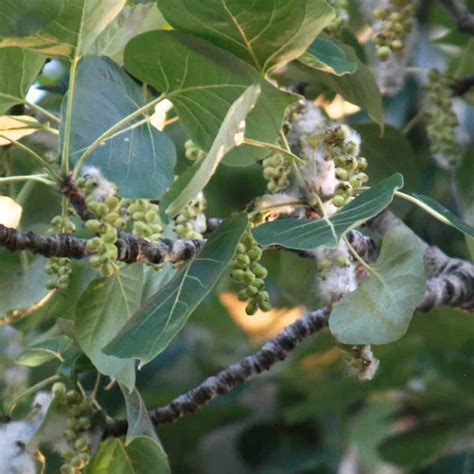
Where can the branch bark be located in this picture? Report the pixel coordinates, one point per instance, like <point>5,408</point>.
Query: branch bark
<point>462,16</point>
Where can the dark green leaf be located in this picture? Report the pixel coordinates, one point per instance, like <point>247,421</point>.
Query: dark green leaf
<point>18,71</point>
<point>264,34</point>
<point>20,287</point>
<point>142,455</point>
<point>40,352</point>
<point>380,310</point>
<point>230,134</point>
<point>307,234</point>
<point>158,321</point>
<point>141,160</point>
<point>25,17</point>
<point>453,219</point>
<point>203,81</point>
<point>105,306</point>
<point>359,88</point>
<point>73,31</point>
<point>325,55</point>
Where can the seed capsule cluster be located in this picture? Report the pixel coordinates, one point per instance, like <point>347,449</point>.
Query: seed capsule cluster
<point>79,411</point>
<point>108,219</point>
<point>276,169</point>
<point>60,268</point>
<point>191,221</point>
<point>247,270</point>
<point>395,24</point>
<point>341,18</point>
<point>193,152</point>
<point>441,119</point>
<point>145,219</point>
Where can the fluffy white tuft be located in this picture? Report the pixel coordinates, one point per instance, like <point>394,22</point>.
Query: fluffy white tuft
<point>104,188</point>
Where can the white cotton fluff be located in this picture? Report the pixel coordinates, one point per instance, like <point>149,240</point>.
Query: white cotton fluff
<point>278,201</point>
<point>337,280</point>
<point>104,188</point>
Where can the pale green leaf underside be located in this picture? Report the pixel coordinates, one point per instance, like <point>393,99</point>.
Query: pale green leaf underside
<point>203,82</point>
<point>380,310</point>
<point>307,234</point>
<point>230,135</point>
<point>105,306</point>
<point>265,34</point>
<point>158,321</point>
<point>326,56</point>
<point>40,352</point>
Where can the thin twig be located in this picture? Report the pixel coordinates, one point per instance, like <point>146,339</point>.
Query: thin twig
<point>462,16</point>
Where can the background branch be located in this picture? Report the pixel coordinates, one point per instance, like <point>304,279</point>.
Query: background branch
<point>462,16</point>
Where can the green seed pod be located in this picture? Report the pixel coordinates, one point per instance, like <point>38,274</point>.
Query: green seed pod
<point>259,270</point>
<point>251,291</point>
<point>384,52</point>
<point>111,217</point>
<point>323,264</point>
<point>73,396</point>
<point>258,283</point>
<point>255,254</point>
<point>112,202</point>
<point>265,306</point>
<point>243,260</point>
<point>249,277</point>
<point>67,454</point>
<point>84,422</point>
<point>338,200</point>
<point>241,248</point>
<point>238,276</point>
<point>58,390</point>
<point>66,469</point>
<point>342,261</point>
<point>93,226</point>
<point>70,435</point>
<point>251,308</point>
<point>76,461</point>
<point>242,295</point>
<point>151,216</point>
<point>263,296</point>
<point>341,173</point>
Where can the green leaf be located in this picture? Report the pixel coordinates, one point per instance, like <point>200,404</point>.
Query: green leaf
<point>453,219</point>
<point>142,455</point>
<point>203,81</point>
<point>131,21</point>
<point>74,30</point>
<point>158,321</point>
<point>141,160</point>
<point>264,34</point>
<point>324,55</point>
<point>48,349</point>
<point>25,17</point>
<point>231,134</point>
<point>18,71</point>
<point>139,423</point>
<point>359,88</point>
<point>380,310</point>
<point>307,234</point>
<point>105,306</point>
<point>20,287</point>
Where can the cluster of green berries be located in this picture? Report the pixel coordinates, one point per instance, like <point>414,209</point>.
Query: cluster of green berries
<point>58,267</point>
<point>145,219</point>
<point>325,265</point>
<point>191,221</point>
<point>441,118</point>
<point>396,24</point>
<point>276,169</point>
<point>247,270</point>
<point>341,18</point>
<point>79,411</point>
<point>350,166</point>
<point>108,218</point>
<point>193,152</point>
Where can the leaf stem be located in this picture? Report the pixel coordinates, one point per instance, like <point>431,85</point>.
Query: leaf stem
<point>271,146</point>
<point>414,121</point>
<point>68,118</point>
<point>34,388</point>
<point>32,106</point>
<point>40,178</point>
<point>423,206</point>
<point>98,141</point>
<point>53,173</point>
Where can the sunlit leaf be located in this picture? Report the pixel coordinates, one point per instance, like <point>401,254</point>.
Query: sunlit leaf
<point>105,306</point>
<point>381,308</point>
<point>264,34</point>
<point>307,234</point>
<point>231,134</point>
<point>158,321</point>
<point>15,127</point>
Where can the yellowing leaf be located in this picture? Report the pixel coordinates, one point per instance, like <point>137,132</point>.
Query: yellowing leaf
<point>16,127</point>
<point>10,212</point>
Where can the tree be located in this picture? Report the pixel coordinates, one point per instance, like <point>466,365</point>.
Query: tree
<point>286,160</point>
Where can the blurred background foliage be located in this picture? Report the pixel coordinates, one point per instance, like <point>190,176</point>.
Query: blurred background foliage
<point>307,415</point>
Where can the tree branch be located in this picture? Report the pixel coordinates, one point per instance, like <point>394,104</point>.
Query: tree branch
<point>463,85</point>
<point>462,16</point>
<point>130,248</point>
<point>272,352</point>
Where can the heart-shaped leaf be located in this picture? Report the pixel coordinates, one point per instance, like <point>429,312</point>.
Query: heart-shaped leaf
<point>141,160</point>
<point>307,234</point>
<point>264,34</point>
<point>380,310</point>
<point>158,321</point>
<point>48,349</point>
<point>203,82</point>
<point>105,306</point>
